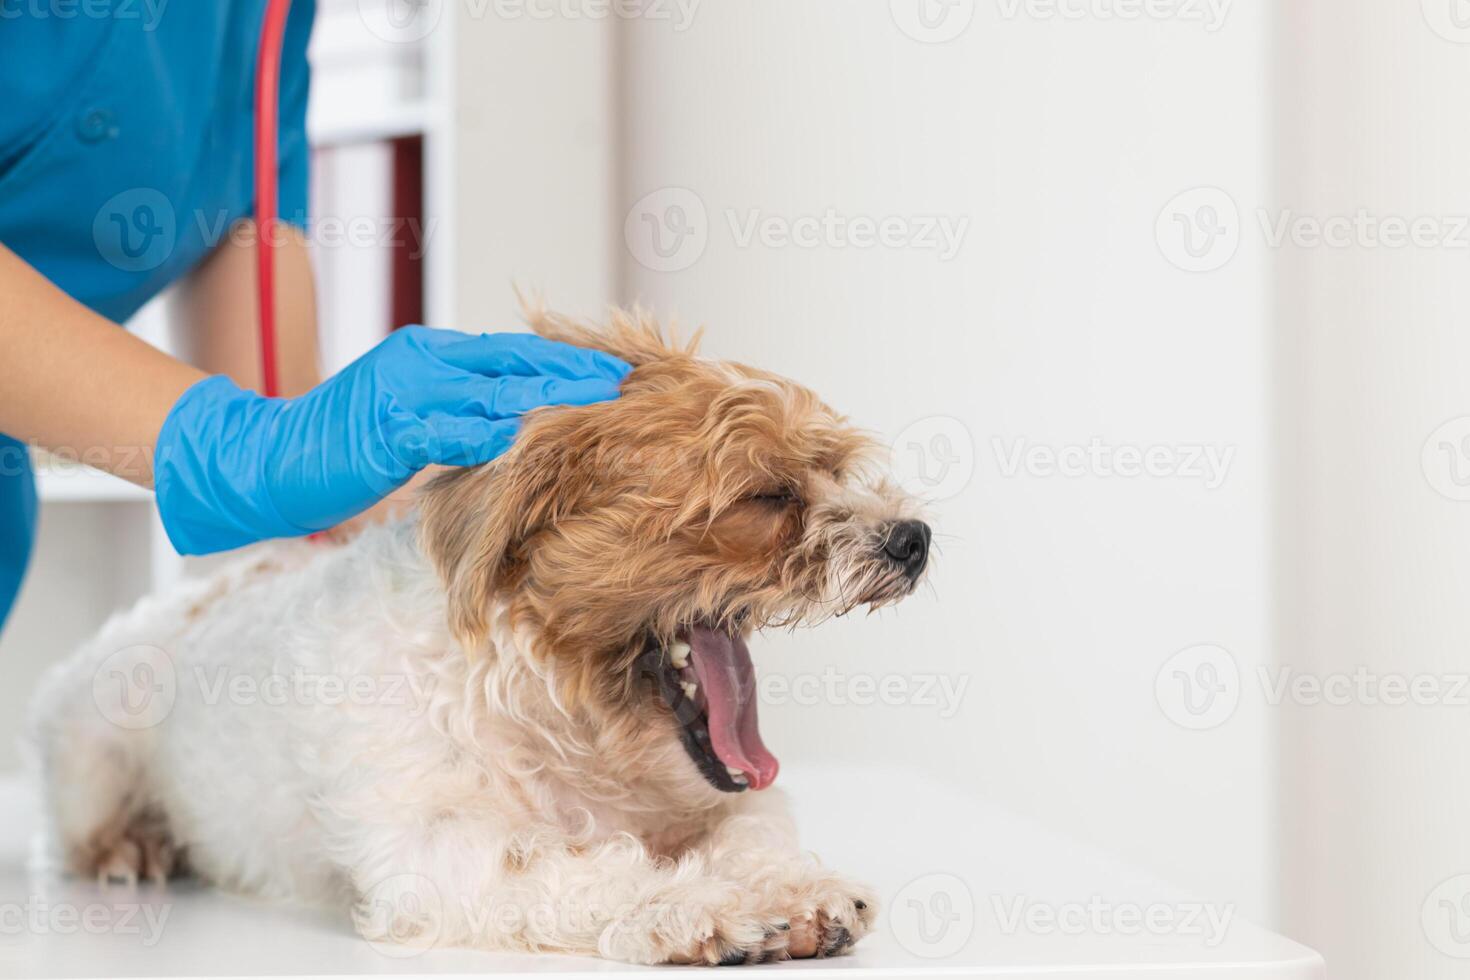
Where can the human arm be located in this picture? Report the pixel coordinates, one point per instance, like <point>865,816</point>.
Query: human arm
<point>231,466</point>
<point>72,381</point>
<point>217,326</point>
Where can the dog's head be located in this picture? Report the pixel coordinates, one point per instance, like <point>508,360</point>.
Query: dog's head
<point>640,542</point>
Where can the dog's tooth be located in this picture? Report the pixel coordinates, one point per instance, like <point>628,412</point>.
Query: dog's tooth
<point>679,653</point>
<point>690,689</point>
<point>733,771</point>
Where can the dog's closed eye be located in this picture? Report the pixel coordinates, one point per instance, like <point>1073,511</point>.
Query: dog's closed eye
<point>757,522</point>
<point>780,497</point>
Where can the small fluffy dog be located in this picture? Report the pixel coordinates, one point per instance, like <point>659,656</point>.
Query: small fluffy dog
<point>523,718</point>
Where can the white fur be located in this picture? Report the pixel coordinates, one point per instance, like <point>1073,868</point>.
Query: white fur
<point>442,795</point>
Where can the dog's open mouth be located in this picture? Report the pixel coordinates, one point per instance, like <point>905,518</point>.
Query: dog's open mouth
<point>706,677</point>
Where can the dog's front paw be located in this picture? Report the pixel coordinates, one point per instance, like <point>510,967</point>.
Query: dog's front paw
<point>826,912</point>
<point>705,923</point>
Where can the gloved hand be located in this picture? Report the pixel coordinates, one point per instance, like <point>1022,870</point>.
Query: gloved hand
<point>232,467</point>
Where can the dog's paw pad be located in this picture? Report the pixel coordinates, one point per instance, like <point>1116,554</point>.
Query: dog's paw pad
<point>833,920</point>
<point>120,864</point>
<point>813,934</point>
<point>141,853</point>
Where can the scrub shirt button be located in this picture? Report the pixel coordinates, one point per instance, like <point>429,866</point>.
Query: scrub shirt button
<point>95,125</point>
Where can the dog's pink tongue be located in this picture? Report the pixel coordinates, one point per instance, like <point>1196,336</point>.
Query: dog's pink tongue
<point>722,664</point>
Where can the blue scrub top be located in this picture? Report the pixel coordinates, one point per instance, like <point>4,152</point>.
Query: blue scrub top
<point>125,157</point>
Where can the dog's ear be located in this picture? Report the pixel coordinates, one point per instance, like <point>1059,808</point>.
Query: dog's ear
<point>633,335</point>
<point>475,522</point>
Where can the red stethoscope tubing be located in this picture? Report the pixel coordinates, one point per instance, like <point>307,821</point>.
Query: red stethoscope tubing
<point>267,107</point>
<point>267,179</point>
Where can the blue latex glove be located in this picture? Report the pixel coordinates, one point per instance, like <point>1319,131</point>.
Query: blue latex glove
<point>233,467</point>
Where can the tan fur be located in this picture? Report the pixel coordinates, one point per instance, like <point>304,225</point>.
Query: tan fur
<point>607,523</point>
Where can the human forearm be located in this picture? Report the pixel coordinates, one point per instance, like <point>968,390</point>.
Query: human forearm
<point>73,381</point>
<point>220,311</point>
<point>231,467</point>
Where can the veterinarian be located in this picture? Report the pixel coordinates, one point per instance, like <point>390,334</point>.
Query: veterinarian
<point>125,167</point>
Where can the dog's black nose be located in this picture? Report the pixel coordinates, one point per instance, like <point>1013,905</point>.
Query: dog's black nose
<point>907,544</point>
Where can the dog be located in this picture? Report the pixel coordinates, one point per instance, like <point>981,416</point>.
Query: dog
<point>524,716</point>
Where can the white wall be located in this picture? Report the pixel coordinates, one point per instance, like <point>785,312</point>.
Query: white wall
<point>1375,530</point>
<point>535,165</point>
<point>1056,599</point>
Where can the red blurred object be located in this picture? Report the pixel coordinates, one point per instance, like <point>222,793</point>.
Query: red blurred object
<point>406,256</point>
